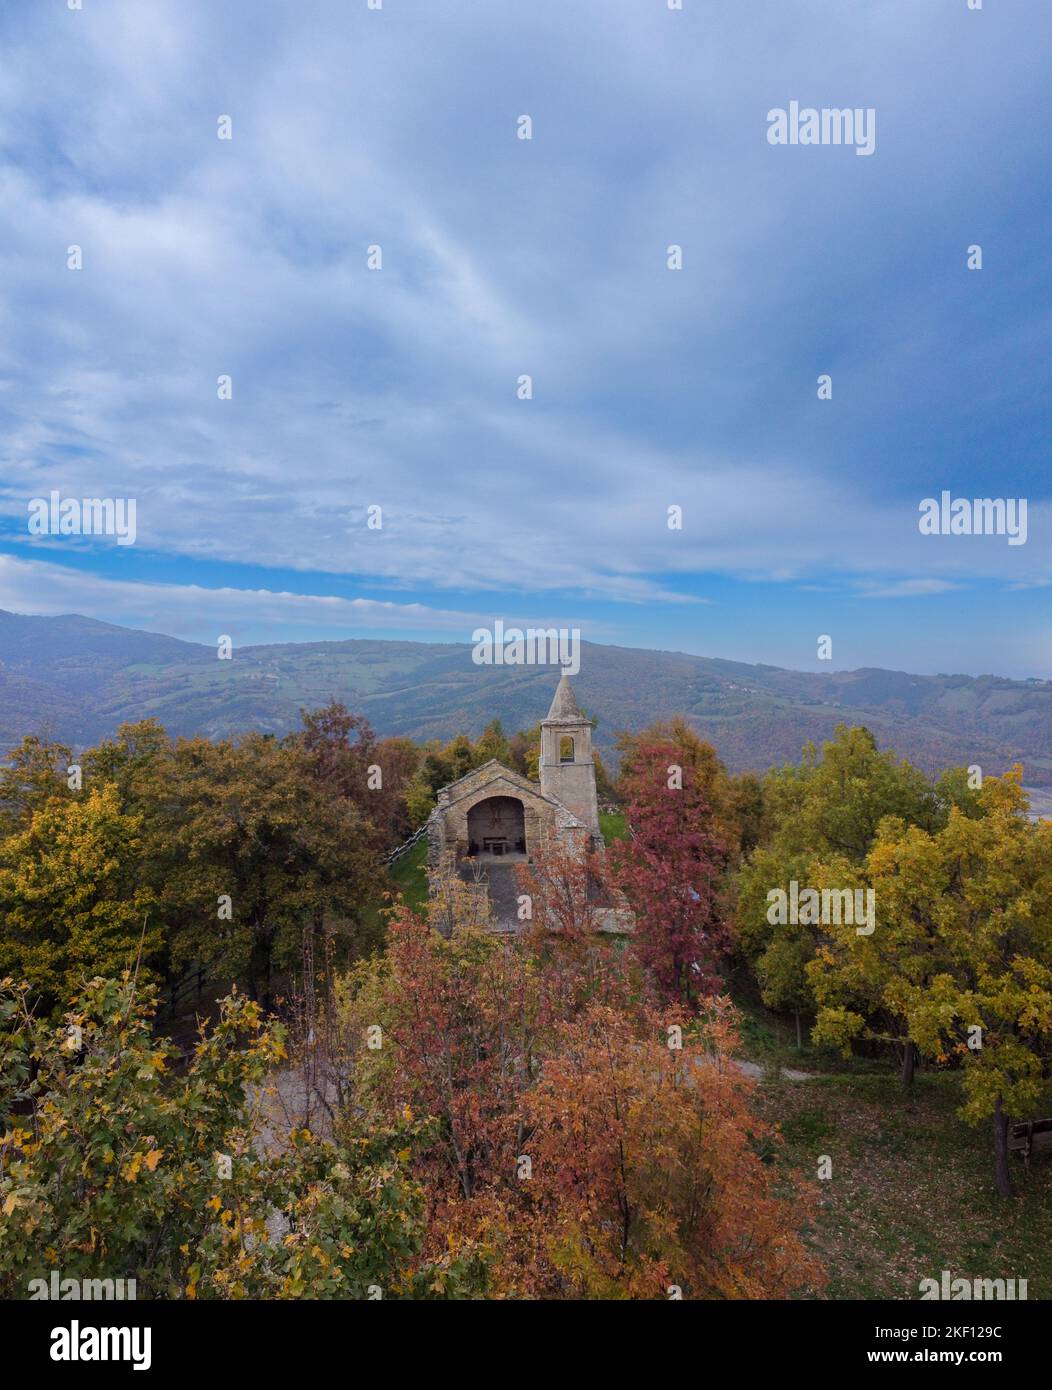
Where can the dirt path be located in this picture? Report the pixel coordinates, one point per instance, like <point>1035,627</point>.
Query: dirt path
<point>753,1069</point>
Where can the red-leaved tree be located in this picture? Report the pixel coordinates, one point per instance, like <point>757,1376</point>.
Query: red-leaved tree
<point>671,871</point>
<point>579,1141</point>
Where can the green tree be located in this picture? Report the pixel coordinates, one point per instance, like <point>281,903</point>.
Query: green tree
<point>493,743</point>
<point>959,967</point>
<point>258,850</point>
<point>752,815</point>
<point>778,952</point>
<point>35,772</point>
<point>135,762</point>
<point>834,804</point>
<point>956,787</point>
<point>816,823</point>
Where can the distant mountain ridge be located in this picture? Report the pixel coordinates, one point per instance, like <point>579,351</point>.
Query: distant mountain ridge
<point>78,679</point>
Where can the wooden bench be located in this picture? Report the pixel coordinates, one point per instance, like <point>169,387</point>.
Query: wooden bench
<point>1021,1136</point>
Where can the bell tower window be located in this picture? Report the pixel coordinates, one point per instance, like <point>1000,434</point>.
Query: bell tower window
<point>566,749</point>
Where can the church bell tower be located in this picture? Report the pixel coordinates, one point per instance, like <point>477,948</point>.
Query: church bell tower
<point>566,767</point>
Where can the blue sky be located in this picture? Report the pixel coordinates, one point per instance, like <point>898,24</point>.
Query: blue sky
<point>501,256</point>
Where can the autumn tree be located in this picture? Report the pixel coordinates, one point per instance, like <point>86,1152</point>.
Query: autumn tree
<point>561,889</point>
<point>567,896</point>
<point>458,1021</point>
<point>962,953</point>
<point>257,849</point>
<point>116,1164</point>
<point>350,763</point>
<point>72,897</point>
<point>707,775</point>
<point>671,870</point>
<point>571,1145</point>
<point>35,772</point>
<point>453,1028</point>
<point>644,1162</point>
<point>460,1026</point>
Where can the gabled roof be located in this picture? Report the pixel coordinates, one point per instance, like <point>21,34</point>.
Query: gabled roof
<point>492,775</point>
<point>565,709</point>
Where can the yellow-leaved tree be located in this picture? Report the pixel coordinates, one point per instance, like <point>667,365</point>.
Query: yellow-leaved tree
<point>961,954</point>
<point>71,896</point>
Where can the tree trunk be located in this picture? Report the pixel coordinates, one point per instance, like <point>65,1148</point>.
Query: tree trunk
<point>909,1064</point>
<point>1003,1176</point>
<point>268,984</point>
<point>261,965</point>
<point>799,1039</point>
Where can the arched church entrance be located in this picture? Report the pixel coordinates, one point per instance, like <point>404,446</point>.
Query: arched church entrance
<point>496,828</point>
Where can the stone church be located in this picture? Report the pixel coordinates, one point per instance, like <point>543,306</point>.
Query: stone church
<point>492,819</point>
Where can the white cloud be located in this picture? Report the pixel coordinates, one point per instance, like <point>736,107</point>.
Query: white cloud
<point>501,257</point>
<point>40,588</point>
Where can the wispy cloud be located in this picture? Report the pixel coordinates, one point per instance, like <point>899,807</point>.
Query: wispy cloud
<point>40,588</point>
<point>909,588</point>
<point>197,610</point>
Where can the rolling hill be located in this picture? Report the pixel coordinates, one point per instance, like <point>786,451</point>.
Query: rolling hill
<point>78,679</point>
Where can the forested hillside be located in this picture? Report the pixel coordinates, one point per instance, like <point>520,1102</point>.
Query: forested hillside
<point>78,680</point>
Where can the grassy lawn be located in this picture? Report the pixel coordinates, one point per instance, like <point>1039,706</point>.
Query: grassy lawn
<point>911,1192</point>
<point>408,876</point>
<point>613,825</point>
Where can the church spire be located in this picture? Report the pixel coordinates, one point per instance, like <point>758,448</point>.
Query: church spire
<point>565,709</point>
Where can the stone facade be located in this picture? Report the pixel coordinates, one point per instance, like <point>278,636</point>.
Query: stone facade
<point>543,818</point>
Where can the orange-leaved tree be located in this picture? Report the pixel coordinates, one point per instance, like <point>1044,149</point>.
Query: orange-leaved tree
<point>644,1158</point>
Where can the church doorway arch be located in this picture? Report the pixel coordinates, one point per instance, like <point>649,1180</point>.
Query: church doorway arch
<point>496,828</point>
